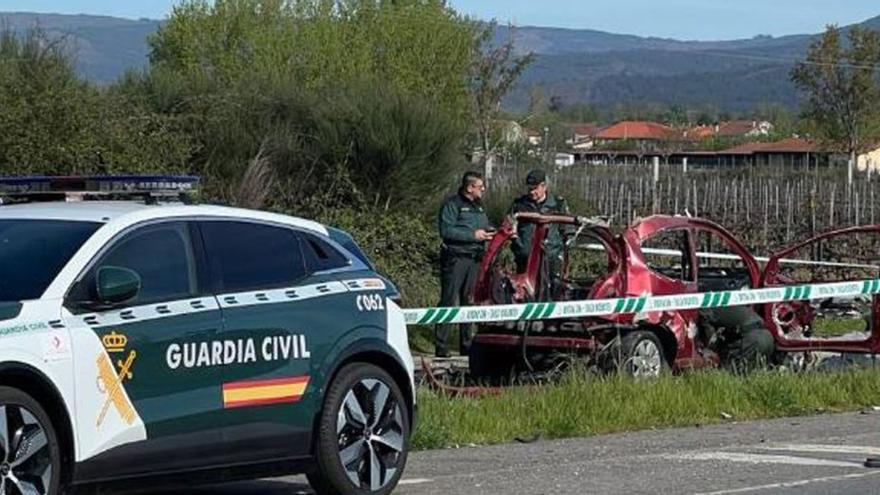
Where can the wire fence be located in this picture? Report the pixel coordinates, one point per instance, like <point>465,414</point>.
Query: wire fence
<point>765,207</point>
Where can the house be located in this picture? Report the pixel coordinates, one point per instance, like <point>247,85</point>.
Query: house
<point>736,129</point>
<point>563,159</point>
<point>583,135</point>
<point>870,161</point>
<point>700,132</point>
<point>788,152</point>
<point>534,137</point>
<point>644,135</point>
<point>792,151</point>
<point>744,129</point>
<point>635,130</point>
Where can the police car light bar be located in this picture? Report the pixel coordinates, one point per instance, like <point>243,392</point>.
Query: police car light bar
<point>99,185</point>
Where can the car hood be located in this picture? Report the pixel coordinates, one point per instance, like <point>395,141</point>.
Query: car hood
<point>9,311</point>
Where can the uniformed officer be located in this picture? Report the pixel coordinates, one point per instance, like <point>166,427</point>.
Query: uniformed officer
<point>539,200</point>
<point>464,228</point>
<point>742,339</point>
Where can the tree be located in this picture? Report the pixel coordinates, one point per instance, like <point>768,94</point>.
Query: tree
<point>840,80</point>
<point>52,122</point>
<point>423,47</point>
<point>493,75</point>
<point>346,100</point>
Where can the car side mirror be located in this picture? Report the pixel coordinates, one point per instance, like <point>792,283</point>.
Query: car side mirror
<point>115,285</point>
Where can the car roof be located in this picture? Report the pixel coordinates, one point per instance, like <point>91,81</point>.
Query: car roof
<point>122,212</point>
<point>83,211</point>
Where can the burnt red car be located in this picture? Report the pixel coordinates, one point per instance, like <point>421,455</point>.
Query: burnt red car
<point>706,257</point>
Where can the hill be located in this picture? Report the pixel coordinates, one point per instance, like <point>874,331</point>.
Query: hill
<point>577,65</point>
<point>103,47</point>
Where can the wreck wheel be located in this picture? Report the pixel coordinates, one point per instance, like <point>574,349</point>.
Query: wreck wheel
<point>639,355</point>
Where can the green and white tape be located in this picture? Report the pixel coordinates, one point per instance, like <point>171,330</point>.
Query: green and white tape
<point>643,304</point>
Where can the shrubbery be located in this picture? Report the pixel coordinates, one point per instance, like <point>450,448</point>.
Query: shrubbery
<point>356,113</point>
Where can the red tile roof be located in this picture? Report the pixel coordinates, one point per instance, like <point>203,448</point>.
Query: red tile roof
<point>790,145</point>
<point>637,130</point>
<point>700,132</point>
<point>743,149</point>
<point>736,128</point>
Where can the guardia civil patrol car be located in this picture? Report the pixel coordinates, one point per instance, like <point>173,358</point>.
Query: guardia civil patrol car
<point>153,339</point>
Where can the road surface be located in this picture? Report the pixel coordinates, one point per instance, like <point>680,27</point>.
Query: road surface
<point>812,455</point>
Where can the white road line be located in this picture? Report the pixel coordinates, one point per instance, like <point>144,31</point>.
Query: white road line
<point>825,449</point>
<point>762,459</point>
<point>792,484</point>
<point>415,481</point>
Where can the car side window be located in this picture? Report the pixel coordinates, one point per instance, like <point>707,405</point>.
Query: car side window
<point>162,255</point>
<point>249,256</point>
<point>720,266</point>
<point>669,253</point>
<point>320,255</point>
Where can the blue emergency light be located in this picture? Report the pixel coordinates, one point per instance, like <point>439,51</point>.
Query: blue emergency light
<point>81,187</point>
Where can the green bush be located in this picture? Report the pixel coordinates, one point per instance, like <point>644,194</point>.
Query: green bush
<point>52,122</point>
<point>404,247</point>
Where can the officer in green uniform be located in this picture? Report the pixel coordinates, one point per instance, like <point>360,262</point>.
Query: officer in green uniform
<point>464,228</point>
<point>740,337</point>
<point>539,200</point>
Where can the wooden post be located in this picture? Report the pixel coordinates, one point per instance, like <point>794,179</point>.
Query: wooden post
<point>849,172</point>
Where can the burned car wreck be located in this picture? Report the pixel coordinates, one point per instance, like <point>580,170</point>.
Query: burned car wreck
<point>597,263</point>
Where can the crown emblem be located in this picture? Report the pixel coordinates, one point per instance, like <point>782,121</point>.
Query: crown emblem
<point>115,342</point>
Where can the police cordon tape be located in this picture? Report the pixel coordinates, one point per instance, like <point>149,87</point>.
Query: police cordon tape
<point>643,304</point>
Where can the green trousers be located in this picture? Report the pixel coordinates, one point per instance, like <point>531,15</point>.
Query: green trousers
<point>458,274</point>
<point>746,343</point>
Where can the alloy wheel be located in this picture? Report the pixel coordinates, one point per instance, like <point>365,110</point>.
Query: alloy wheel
<point>646,360</point>
<point>26,467</point>
<point>370,436</point>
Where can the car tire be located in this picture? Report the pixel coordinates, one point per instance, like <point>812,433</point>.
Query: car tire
<point>639,354</point>
<point>360,451</point>
<point>29,448</point>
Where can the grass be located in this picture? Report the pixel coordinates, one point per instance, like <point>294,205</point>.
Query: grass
<point>583,405</point>
<point>838,326</point>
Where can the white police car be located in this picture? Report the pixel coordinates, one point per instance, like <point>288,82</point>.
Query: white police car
<point>154,339</point>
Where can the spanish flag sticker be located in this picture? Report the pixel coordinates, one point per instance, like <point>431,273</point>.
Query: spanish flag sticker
<point>264,392</point>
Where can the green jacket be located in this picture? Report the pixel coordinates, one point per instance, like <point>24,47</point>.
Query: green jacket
<point>459,218</point>
<point>525,230</point>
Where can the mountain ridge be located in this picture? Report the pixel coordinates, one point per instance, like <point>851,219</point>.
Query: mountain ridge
<point>576,65</point>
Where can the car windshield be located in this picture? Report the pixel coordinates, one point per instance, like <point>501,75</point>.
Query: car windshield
<point>32,252</point>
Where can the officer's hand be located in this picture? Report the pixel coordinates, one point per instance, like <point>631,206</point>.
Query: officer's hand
<point>483,235</point>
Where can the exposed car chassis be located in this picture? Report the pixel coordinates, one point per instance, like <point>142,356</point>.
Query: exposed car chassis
<point>501,349</point>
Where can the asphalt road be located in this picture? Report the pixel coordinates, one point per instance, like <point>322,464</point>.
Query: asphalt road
<point>813,455</point>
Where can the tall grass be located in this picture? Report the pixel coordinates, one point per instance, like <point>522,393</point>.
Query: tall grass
<point>582,405</point>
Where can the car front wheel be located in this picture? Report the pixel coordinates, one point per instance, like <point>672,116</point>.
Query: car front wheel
<point>29,450</point>
<point>363,435</point>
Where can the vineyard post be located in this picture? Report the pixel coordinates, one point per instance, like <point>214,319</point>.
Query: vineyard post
<point>831,209</point>
<point>849,172</point>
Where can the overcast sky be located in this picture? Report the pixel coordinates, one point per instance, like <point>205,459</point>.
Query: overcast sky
<point>682,19</point>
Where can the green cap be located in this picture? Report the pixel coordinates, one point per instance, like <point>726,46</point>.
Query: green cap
<point>536,177</point>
